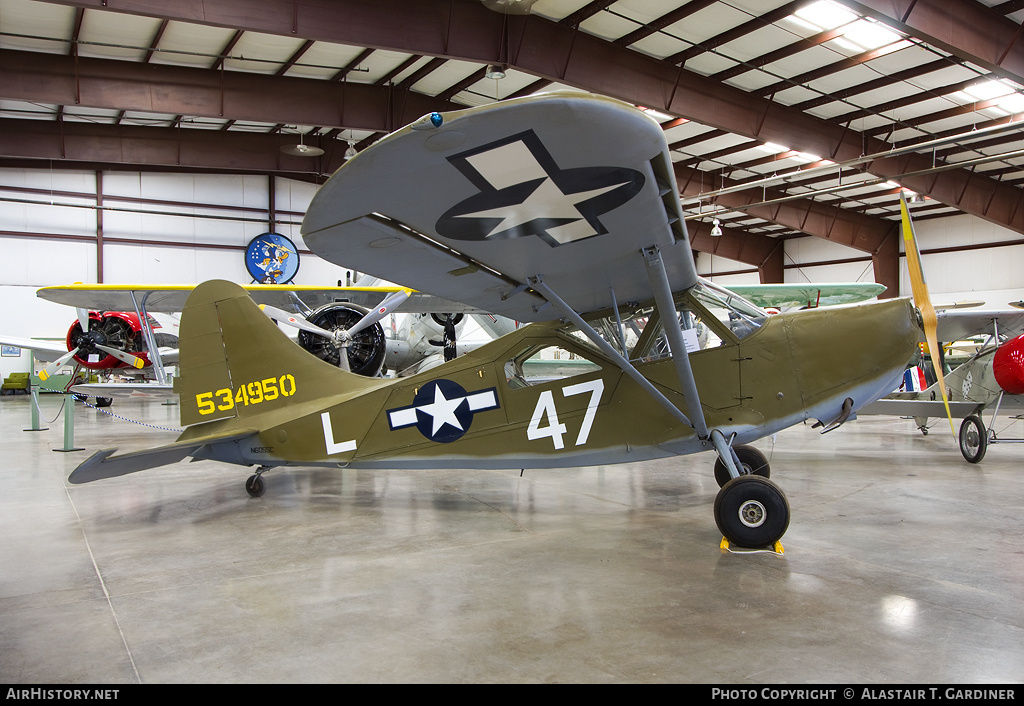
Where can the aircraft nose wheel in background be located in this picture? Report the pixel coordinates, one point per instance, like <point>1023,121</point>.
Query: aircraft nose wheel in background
<point>752,512</point>
<point>751,462</point>
<point>973,439</point>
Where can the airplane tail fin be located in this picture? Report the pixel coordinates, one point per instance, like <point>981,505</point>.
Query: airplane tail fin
<point>236,363</point>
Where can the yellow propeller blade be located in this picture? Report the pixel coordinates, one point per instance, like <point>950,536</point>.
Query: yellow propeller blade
<point>923,301</point>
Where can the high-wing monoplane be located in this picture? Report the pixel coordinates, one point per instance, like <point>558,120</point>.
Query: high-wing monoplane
<point>560,211</point>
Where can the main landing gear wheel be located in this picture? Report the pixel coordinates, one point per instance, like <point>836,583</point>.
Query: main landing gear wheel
<point>255,486</point>
<point>973,439</point>
<point>752,512</point>
<point>752,462</point>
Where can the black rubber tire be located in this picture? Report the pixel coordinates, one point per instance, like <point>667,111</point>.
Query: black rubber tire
<point>104,401</point>
<point>973,439</point>
<point>255,486</point>
<point>752,512</point>
<point>752,461</point>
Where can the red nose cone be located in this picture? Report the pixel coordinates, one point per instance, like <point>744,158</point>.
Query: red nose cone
<point>1008,366</point>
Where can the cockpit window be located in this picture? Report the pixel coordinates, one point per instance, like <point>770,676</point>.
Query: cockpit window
<point>707,315</point>
<point>734,312</point>
<point>543,363</point>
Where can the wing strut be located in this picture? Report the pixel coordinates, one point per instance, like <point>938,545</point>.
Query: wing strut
<point>538,286</point>
<point>147,333</point>
<point>667,309</point>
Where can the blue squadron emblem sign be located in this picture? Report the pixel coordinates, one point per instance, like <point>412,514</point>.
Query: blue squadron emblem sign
<point>271,258</point>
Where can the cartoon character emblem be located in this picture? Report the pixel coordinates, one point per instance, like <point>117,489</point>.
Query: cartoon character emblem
<point>271,258</point>
<point>442,410</point>
<point>523,192</point>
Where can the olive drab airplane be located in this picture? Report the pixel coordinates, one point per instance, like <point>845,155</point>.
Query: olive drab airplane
<point>560,211</point>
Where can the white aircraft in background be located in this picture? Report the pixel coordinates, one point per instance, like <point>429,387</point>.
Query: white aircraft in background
<point>131,330</point>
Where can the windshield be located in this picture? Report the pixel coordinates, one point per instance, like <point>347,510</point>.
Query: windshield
<point>733,311</point>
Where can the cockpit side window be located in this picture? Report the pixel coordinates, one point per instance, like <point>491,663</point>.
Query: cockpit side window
<point>708,317</point>
<point>543,363</point>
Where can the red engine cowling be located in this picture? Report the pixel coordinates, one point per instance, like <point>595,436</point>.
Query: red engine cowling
<point>115,329</point>
<point>1008,366</point>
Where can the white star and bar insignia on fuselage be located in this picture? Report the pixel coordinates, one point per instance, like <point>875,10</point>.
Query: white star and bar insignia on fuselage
<point>442,410</point>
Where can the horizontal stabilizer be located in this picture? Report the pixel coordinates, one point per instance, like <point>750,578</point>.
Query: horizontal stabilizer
<point>103,464</point>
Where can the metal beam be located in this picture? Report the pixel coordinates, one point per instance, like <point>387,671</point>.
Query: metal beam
<point>180,90</point>
<point>88,144</point>
<point>968,30</point>
<point>556,52</point>
<point>859,231</point>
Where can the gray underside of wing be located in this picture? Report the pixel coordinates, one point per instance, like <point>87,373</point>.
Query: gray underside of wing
<point>566,187</point>
<point>954,325</point>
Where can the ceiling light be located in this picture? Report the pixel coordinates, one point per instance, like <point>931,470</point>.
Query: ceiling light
<point>825,15</point>
<point>495,71</point>
<point>716,228</point>
<point>987,90</point>
<point>1013,103</point>
<point>869,35</point>
<point>351,151</point>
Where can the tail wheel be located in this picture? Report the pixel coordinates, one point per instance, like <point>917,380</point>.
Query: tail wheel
<point>752,462</point>
<point>973,439</point>
<point>365,353</point>
<point>255,486</point>
<point>752,512</point>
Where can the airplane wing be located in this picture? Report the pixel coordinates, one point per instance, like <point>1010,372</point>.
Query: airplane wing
<point>957,324</point>
<point>123,389</point>
<point>470,205</point>
<point>170,298</point>
<point>46,351</point>
<point>781,296</point>
<point>896,407</point>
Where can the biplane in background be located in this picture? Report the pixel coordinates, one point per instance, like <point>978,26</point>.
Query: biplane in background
<point>560,211</point>
<point>992,377</point>
<point>129,330</point>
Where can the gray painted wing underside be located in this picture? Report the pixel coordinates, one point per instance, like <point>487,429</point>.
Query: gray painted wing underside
<point>567,186</point>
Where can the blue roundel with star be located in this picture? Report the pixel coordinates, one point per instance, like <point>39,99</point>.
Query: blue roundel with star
<point>442,410</point>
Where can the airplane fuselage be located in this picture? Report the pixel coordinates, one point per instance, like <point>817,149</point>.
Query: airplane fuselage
<point>471,413</point>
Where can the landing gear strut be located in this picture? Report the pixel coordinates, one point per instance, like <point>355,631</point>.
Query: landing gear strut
<point>751,461</point>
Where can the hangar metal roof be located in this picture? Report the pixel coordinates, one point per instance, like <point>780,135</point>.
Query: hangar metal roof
<point>784,117</point>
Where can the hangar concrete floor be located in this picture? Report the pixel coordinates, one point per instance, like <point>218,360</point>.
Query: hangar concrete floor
<point>902,564</point>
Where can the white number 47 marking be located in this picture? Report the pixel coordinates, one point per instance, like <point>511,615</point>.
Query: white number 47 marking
<point>545,409</point>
